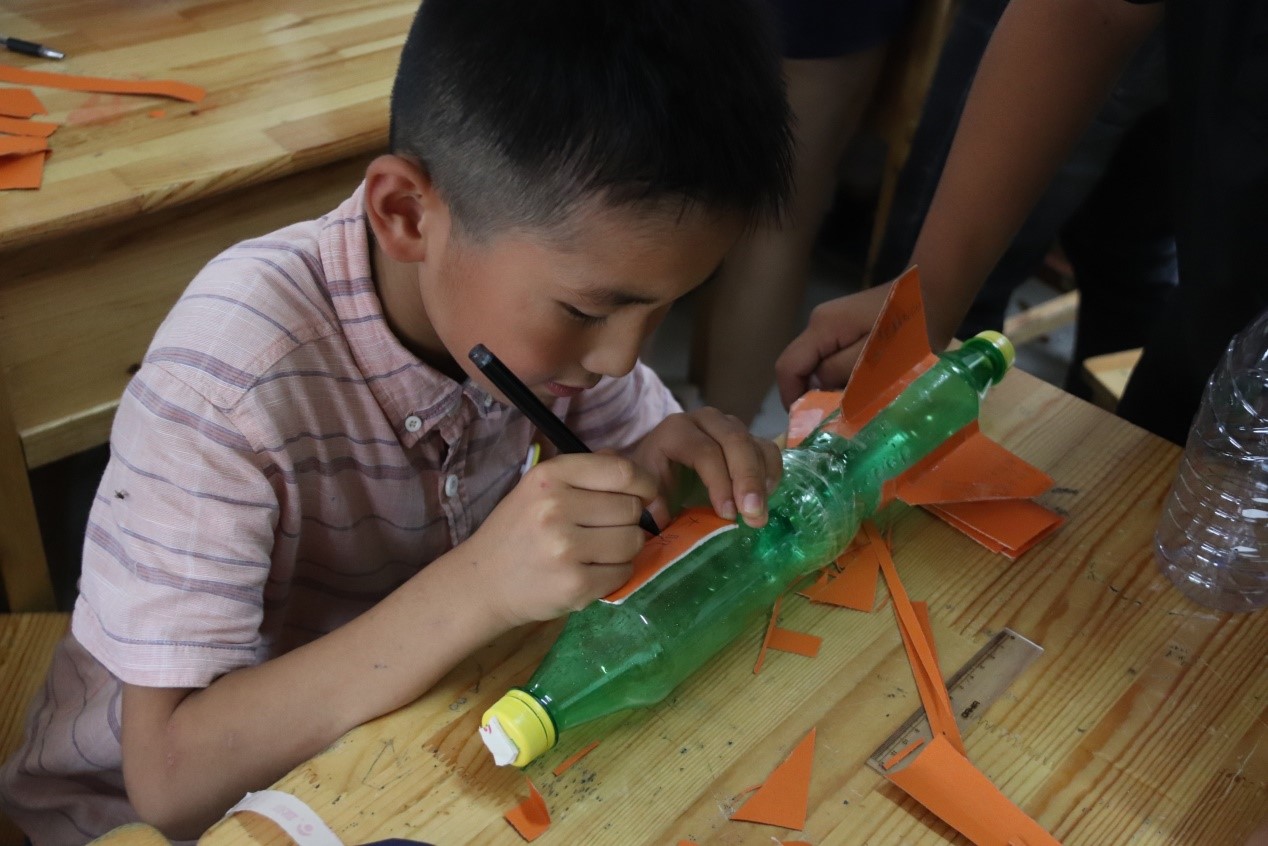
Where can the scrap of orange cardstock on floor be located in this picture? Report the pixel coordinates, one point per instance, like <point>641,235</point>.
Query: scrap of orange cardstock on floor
<point>783,798</point>
<point>25,171</point>
<point>968,468</point>
<point>944,781</point>
<point>157,88</point>
<point>530,818</point>
<point>20,103</point>
<point>17,145</point>
<point>33,128</point>
<point>567,763</point>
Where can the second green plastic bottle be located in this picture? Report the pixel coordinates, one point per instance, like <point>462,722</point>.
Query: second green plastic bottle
<point>610,657</point>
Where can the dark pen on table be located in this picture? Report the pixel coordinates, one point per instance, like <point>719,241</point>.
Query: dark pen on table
<point>538,414</point>
<point>30,48</point>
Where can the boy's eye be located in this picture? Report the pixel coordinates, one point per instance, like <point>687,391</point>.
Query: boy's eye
<point>582,317</point>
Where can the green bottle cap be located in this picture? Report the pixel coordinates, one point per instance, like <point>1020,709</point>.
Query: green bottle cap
<point>517,729</point>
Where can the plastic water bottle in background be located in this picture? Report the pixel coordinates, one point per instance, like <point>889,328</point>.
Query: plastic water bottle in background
<point>1212,540</point>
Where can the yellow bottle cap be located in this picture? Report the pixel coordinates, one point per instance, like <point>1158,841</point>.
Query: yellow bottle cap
<point>999,342</point>
<point>517,729</point>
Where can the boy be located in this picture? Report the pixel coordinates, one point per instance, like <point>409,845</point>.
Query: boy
<point>297,530</point>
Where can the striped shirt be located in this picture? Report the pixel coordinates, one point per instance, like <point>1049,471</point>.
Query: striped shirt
<point>279,464</point>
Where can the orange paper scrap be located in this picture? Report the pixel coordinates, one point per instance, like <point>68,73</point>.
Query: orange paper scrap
<point>1007,526</point>
<point>530,818</point>
<point>855,586</point>
<point>902,754</point>
<point>567,763</point>
<point>944,781</point>
<point>157,88</point>
<point>33,128</point>
<point>25,171</point>
<point>20,103</point>
<point>800,643</point>
<point>783,798</point>
<point>17,145</point>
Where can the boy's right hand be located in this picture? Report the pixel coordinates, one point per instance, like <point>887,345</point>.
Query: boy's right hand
<point>563,537</point>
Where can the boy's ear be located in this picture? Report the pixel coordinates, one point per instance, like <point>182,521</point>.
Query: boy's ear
<point>403,207</point>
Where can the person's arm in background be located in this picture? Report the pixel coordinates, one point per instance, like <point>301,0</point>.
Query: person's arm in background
<point>1048,69</point>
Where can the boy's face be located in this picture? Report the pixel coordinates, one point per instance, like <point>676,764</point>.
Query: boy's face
<point>563,310</point>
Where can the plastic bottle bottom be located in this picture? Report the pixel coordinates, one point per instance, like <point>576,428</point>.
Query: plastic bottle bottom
<point>1215,586</point>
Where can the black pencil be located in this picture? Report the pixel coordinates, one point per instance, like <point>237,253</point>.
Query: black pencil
<point>538,414</point>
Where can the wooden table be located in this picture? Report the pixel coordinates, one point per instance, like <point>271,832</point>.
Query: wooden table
<point>1143,722</point>
<point>140,192</point>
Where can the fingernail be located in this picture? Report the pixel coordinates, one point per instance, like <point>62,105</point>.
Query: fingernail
<point>728,510</point>
<point>753,504</point>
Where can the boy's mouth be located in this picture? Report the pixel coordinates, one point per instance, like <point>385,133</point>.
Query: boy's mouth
<point>560,390</point>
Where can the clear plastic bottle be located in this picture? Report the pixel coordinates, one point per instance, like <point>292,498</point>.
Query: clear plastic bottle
<point>1212,539</point>
<point>631,652</point>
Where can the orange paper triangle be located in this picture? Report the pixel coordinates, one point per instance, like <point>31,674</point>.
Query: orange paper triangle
<point>855,586</point>
<point>157,88</point>
<point>531,817</point>
<point>783,798</point>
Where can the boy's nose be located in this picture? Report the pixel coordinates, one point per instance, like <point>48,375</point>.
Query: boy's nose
<point>615,355</point>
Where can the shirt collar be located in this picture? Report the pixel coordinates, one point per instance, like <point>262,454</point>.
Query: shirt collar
<point>415,397</point>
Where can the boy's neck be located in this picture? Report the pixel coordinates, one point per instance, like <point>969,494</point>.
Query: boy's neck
<point>398,289</point>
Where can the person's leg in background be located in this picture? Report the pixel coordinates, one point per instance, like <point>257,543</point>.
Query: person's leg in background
<point>749,313</point>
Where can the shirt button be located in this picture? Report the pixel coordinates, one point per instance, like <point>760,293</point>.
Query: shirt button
<point>413,423</point>
<point>451,486</point>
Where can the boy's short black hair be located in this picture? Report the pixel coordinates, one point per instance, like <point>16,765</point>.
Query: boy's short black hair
<point>520,110</point>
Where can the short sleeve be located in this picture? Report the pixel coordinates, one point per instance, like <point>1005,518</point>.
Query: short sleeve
<point>178,543</point>
<point>617,413</point>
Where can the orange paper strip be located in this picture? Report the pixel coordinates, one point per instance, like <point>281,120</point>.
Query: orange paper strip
<point>22,171</point>
<point>783,798</point>
<point>800,643</point>
<point>16,145</point>
<point>901,755</point>
<point>924,666</point>
<point>157,88</point>
<point>531,817</point>
<point>31,128</point>
<point>567,763</point>
<point>926,626</point>
<point>20,103</point>
<point>948,785</point>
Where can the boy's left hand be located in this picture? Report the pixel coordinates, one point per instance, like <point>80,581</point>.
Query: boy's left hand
<point>738,469</point>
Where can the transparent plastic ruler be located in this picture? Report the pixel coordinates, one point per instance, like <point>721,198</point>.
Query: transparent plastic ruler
<point>974,687</point>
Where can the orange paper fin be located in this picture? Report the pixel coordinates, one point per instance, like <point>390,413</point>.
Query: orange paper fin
<point>948,785</point>
<point>101,85</point>
<point>976,468</point>
<point>896,352</point>
<point>783,798</point>
<point>20,103</point>
<point>531,817</point>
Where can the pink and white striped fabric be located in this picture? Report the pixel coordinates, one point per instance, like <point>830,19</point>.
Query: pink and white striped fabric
<point>278,465</point>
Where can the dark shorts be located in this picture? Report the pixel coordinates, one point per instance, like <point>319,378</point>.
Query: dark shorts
<point>824,29</point>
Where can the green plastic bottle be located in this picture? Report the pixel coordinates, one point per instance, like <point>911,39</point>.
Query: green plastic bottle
<point>614,655</point>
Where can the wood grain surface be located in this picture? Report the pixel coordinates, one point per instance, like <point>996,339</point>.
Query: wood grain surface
<point>1142,723</point>
<point>290,85</point>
